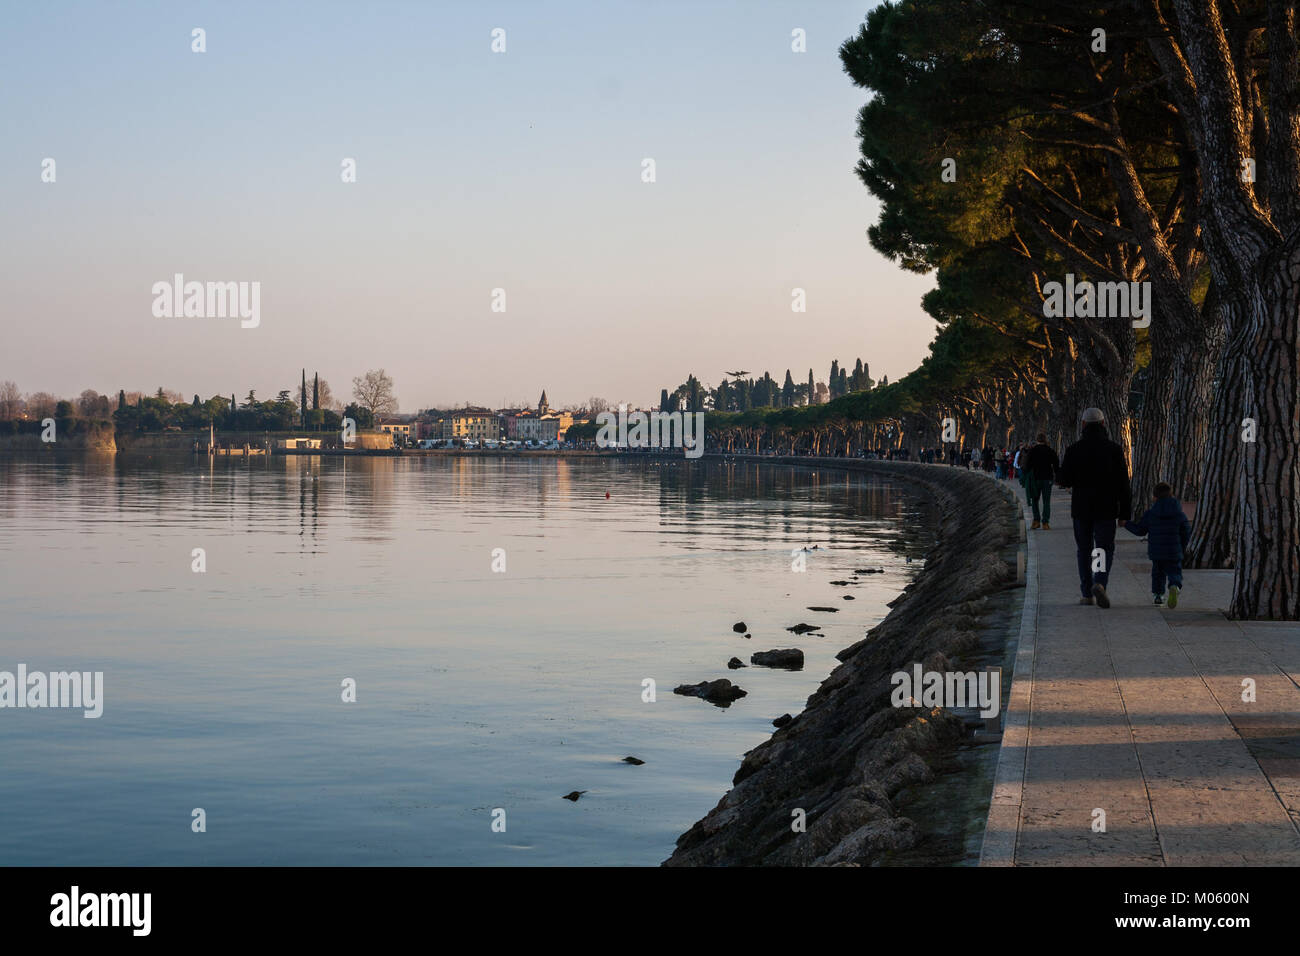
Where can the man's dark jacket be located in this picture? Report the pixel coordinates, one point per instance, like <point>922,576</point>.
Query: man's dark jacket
<point>1095,471</point>
<point>1041,462</point>
<point>1166,527</point>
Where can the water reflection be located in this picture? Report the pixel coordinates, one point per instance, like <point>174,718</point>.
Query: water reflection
<point>476,689</point>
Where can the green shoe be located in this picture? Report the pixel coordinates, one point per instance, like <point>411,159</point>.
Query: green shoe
<point>1173,597</point>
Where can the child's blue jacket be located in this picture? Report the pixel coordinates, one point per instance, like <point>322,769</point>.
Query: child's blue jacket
<point>1166,527</point>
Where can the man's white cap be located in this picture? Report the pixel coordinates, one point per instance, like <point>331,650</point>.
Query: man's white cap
<point>1093,415</point>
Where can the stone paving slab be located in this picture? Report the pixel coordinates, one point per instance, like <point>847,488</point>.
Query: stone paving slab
<point>1141,712</point>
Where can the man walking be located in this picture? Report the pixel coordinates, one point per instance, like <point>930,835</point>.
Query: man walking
<point>1040,464</point>
<point>1100,502</point>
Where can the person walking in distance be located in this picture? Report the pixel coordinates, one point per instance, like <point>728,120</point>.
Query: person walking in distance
<point>1101,501</point>
<point>1040,464</point>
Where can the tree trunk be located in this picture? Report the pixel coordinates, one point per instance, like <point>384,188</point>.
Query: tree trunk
<point>1267,579</point>
<point>1191,409</point>
<point>1151,455</point>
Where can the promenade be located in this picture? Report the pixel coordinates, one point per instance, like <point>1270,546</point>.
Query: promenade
<point>1137,712</point>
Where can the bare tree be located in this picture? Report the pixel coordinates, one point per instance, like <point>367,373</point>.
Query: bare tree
<point>91,404</point>
<point>374,391</point>
<point>11,400</point>
<point>41,404</point>
<point>597,405</point>
<point>327,399</point>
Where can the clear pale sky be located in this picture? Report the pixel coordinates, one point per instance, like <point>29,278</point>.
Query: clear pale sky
<point>475,171</point>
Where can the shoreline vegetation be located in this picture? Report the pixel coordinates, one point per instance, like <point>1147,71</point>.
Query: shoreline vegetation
<point>850,760</point>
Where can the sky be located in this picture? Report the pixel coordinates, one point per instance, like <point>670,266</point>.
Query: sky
<point>475,171</point>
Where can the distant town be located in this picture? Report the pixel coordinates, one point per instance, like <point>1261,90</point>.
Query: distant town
<point>310,417</point>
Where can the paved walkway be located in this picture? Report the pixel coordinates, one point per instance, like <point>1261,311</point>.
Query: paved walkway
<point>1138,711</point>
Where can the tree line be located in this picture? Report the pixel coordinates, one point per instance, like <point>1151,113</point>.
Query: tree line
<point>739,394</point>
<point>310,406</point>
<point>1149,148</point>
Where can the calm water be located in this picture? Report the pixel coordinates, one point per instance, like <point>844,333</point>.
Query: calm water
<point>475,690</point>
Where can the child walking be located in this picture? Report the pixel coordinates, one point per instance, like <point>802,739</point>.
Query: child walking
<point>1167,530</point>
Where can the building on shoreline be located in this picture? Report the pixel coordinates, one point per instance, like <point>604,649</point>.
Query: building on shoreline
<point>475,424</point>
<point>540,425</point>
<point>407,430</point>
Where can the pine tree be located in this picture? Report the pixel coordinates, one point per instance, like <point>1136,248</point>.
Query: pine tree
<point>694,399</point>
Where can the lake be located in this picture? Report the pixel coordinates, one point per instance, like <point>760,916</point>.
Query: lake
<point>477,690</point>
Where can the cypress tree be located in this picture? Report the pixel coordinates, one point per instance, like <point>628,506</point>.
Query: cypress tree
<point>812,388</point>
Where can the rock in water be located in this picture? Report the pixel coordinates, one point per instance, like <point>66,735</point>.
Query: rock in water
<point>634,761</point>
<point>781,721</point>
<point>833,610</point>
<point>735,662</point>
<point>575,795</point>
<point>721,691</point>
<point>849,597</point>
<point>850,753</point>
<point>739,627</point>
<point>803,628</point>
<point>790,657</point>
